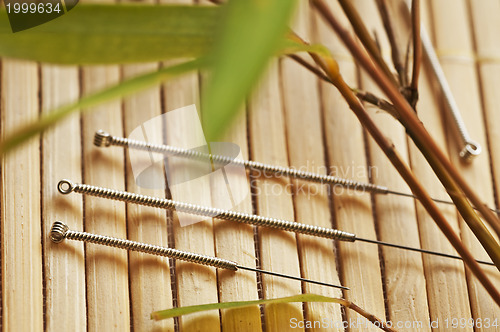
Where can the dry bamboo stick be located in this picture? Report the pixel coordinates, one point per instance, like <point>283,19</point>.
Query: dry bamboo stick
<point>107,268</point>
<point>306,152</point>
<point>404,275</point>
<point>353,211</point>
<point>22,292</point>
<point>61,153</point>
<point>424,140</point>
<point>278,249</point>
<point>149,275</point>
<point>462,78</point>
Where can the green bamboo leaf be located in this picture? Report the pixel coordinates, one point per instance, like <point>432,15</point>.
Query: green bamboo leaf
<point>290,46</point>
<point>117,91</point>
<point>104,34</point>
<point>250,33</point>
<point>175,312</point>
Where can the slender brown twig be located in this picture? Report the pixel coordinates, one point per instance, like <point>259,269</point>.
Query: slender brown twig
<point>458,189</point>
<point>423,141</point>
<point>395,53</point>
<point>372,318</point>
<point>365,38</point>
<point>363,95</point>
<point>417,52</point>
<point>313,69</point>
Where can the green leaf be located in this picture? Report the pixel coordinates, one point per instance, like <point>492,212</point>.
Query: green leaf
<point>250,33</point>
<point>175,312</point>
<point>117,91</point>
<point>290,46</point>
<point>104,34</point>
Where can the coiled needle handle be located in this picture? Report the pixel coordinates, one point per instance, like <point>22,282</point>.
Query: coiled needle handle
<point>104,139</point>
<point>60,231</point>
<point>66,187</point>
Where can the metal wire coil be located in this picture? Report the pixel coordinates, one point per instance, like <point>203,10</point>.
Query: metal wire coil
<point>102,138</point>
<point>60,231</point>
<point>66,187</point>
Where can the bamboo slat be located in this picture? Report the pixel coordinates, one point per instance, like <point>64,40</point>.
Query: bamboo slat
<point>277,249</point>
<point>22,277</point>
<point>396,220</point>
<point>449,301</point>
<point>195,284</point>
<point>235,241</point>
<point>149,275</point>
<point>444,302</point>
<point>486,27</point>
<point>462,76</point>
<point>360,267</point>
<point>107,268</point>
<point>306,152</point>
<point>64,264</point>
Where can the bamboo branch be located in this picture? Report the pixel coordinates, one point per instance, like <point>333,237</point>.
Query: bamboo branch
<point>309,66</point>
<point>363,95</point>
<point>444,169</point>
<point>412,123</point>
<point>365,38</point>
<point>331,68</point>
<point>417,52</point>
<point>395,53</point>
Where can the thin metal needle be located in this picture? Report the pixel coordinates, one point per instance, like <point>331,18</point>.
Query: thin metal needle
<point>437,200</point>
<point>470,148</point>
<point>424,251</point>
<point>290,277</point>
<point>104,139</point>
<point>66,187</point>
<point>60,232</point>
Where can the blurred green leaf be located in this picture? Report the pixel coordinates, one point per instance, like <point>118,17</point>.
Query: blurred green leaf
<point>104,34</point>
<point>250,33</point>
<point>290,46</point>
<point>117,91</point>
<point>175,312</point>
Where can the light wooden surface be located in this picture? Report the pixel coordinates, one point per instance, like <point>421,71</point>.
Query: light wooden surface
<point>149,275</point>
<point>394,216</point>
<point>360,264</point>
<point>277,249</point>
<point>290,119</point>
<point>22,259</point>
<point>462,75</point>
<point>485,28</point>
<point>64,272</point>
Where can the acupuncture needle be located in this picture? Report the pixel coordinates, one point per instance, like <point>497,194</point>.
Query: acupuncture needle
<point>66,187</point>
<point>104,139</point>
<point>469,149</point>
<point>60,231</point>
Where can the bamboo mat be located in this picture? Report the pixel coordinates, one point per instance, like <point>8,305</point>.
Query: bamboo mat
<point>291,119</point>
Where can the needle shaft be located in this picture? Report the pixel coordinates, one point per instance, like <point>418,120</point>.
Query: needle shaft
<point>104,139</point>
<point>60,232</point>
<point>66,187</point>
<point>424,251</point>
